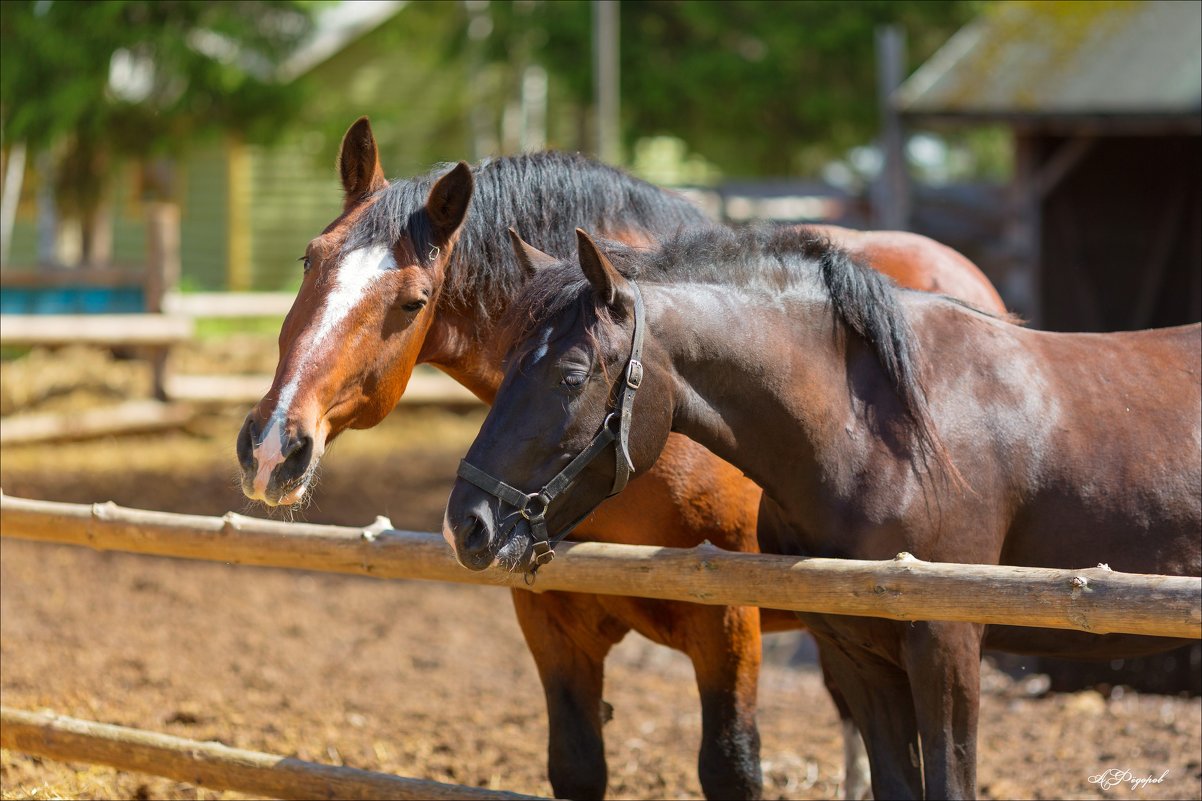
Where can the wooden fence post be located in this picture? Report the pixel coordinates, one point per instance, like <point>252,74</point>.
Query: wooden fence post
<point>162,276</point>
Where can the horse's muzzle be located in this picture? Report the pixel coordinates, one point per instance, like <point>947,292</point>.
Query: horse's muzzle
<point>275,464</point>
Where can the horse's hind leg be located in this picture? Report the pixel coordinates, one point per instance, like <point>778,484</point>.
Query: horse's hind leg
<point>878,695</point>
<point>857,778</point>
<point>569,635</point>
<point>724,644</point>
<point>944,662</point>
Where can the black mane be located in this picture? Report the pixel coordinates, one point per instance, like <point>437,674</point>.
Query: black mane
<point>544,196</point>
<point>769,258</point>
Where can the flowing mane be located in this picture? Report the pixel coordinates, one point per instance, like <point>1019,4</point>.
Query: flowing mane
<point>545,196</point>
<point>764,257</point>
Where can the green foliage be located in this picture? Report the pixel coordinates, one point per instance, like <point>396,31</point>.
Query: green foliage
<point>190,69</point>
<point>96,82</point>
<point>759,87</point>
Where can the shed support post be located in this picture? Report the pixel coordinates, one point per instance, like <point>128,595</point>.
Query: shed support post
<point>162,276</point>
<point>1023,285</point>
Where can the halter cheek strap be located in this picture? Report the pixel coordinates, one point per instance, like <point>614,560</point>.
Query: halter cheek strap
<point>533,506</point>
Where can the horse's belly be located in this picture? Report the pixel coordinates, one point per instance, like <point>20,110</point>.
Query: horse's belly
<point>1074,644</point>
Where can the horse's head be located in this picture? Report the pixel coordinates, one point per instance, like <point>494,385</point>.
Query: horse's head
<point>353,335</point>
<point>571,346</point>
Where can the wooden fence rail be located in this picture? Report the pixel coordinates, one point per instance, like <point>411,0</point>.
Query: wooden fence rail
<point>228,304</point>
<point>94,329</point>
<point>128,417</point>
<point>214,765</point>
<point>1097,599</point>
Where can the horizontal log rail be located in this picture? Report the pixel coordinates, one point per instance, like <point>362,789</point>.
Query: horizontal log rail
<point>425,388</point>
<point>123,418</point>
<point>228,304</point>
<point>1096,599</point>
<point>93,329</point>
<point>214,765</point>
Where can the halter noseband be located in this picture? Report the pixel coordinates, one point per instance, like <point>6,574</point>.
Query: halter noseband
<point>533,506</point>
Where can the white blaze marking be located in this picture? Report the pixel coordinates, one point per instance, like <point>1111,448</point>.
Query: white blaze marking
<point>267,456</point>
<point>358,271</point>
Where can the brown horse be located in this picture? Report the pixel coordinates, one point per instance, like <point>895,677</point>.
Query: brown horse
<point>417,272</point>
<point>879,420</point>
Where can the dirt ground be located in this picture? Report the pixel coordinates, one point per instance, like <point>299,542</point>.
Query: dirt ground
<point>418,678</point>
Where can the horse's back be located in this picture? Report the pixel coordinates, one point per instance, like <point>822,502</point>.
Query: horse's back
<point>918,262</point>
<point>1118,474</point>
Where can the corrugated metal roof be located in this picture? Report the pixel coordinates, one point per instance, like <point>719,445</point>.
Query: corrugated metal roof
<point>1141,59</point>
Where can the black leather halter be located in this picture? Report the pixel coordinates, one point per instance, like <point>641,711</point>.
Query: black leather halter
<point>533,506</point>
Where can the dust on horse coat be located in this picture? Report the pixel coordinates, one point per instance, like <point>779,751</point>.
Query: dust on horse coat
<point>880,421</point>
<point>418,271</point>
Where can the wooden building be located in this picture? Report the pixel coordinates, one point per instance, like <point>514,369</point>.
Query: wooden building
<point>1105,104</point>
<point>247,211</point>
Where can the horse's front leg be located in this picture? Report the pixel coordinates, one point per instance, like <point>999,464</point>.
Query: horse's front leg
<point>944,662</point>
<point>569,635</point>
<point>724,644</point>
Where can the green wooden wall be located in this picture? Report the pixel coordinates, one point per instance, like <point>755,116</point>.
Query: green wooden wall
<point>407,75</point>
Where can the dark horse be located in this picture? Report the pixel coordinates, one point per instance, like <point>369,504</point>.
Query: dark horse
<point>880,421</point>
<point>418,271</point>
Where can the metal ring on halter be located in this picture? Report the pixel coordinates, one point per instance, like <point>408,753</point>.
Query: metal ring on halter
<point>541,498</point>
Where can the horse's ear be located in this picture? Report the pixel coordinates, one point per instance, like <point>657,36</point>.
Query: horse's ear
<point>604,277</point>
<point>448,201</point>
<point>359,163</point>
<point>530,258</point>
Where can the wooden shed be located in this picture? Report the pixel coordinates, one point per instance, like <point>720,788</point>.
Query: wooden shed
<point>1105,103</point>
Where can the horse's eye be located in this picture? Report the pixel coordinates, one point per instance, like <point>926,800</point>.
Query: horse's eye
<point>308,263</point>
<point>575,378</point>
<point>415,306</point>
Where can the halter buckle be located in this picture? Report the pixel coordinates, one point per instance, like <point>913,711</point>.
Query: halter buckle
<point>543,553</point>
<point>634,374</point>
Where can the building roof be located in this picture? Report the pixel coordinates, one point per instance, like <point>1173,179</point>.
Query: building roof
<point>1039,60</point>
<point>334,28</point>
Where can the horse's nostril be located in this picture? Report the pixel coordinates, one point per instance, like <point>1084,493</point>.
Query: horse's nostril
<point>246,443</point>
<point>473,537</point>
<point>300,445</point>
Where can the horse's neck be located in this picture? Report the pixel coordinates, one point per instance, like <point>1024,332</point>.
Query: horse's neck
<point>758,379</point>
<point>457,340</point>
<point>453,344</point>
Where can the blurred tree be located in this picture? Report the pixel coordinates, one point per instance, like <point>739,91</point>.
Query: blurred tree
<point>94,82</point>
<point>759,87</point>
